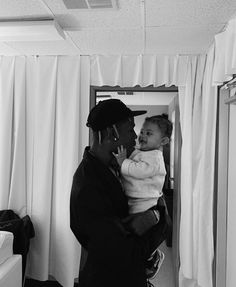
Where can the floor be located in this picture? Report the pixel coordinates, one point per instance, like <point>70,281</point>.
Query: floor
<point>35,283</point>
<point>165,277</point>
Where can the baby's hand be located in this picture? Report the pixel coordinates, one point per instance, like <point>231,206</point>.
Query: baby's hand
<point>121,155</point>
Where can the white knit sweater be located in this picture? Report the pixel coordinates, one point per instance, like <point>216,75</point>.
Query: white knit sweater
<point>143,176</point>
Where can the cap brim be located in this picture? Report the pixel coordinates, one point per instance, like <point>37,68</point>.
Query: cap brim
<point>138,113</point>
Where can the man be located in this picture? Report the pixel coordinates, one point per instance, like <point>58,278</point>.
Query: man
<point>118,245</point>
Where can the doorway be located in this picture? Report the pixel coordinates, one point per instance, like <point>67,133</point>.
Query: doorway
<point>156,101</point>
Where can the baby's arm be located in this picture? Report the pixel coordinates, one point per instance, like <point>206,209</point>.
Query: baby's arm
<point>142,167</point>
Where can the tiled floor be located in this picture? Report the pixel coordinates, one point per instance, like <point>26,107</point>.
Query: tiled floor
<point>165,277</point>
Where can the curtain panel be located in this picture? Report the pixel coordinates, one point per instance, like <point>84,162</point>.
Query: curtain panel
<point>41,144</point>
<point>198,126</point>
<point>193,76</point>
<point>143,70</point>
<point>225,54</point>
<point>44,103</point>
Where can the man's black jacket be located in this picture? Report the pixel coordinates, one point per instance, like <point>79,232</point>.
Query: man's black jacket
<point>97,206</point>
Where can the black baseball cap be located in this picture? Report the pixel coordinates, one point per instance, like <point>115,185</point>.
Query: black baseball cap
<point>109,112</point>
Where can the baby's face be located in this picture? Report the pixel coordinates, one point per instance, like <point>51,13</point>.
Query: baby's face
<point>150,137</point>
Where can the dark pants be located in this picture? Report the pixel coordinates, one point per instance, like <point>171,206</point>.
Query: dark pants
<point>162,229</point>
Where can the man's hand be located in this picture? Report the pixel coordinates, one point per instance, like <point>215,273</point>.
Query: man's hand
<point>140,223</point>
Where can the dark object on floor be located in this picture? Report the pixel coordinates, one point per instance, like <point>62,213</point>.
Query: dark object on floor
<point>23,230</point>
<point>36,283</point>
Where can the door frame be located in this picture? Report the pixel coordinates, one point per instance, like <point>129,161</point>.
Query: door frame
<point>221,190</point>
<point>174,106</point>
<point>222,202</point>
<point>95,89</point>
<point>177,154</point>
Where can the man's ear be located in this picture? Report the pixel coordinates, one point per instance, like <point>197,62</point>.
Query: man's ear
<point>116,135</point>
<point>112,133</point>
<point>165,140</point>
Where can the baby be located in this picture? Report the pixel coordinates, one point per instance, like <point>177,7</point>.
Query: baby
<point>143,173</point>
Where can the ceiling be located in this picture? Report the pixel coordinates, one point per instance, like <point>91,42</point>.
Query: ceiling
<point>135,27</point>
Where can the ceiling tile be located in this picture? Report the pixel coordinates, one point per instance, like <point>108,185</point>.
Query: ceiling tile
<point>109,41</point>
<point>179,40</point>
<point>173,26</point>
<point>191,12</point>
<point>127,15</point>
<point>22,9</point>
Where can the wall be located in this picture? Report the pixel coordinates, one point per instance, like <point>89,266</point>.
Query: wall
<point>155,103</point>
<point>151,111</point>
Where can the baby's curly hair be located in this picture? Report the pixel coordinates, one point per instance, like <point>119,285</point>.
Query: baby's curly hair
<point>163,123</point>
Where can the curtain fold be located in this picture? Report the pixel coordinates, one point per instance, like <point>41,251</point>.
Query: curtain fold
<point>7,74</point>
<point>12,134</point>
<point>143,70</point>
<point>198,126</point>
<point>40,148</point>
<point>66,149</point>
<point>206,187</point>
<point>43,164</point>
<point>18,170</point>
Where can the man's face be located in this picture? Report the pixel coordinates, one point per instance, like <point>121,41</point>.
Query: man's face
<point>127,135</point>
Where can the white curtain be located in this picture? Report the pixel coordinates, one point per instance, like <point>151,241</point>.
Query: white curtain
<point>143,70</point>
<point>44,102</point>
<point>198,105</point>
<point>41,143</point>
<point>12,141</point>
<point>193,76</point>
<point>225,54</point>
